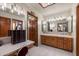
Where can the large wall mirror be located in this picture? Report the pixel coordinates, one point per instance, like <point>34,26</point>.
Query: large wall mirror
<point>64,25</point>
<point>5,26</point>
<point>17,25</point>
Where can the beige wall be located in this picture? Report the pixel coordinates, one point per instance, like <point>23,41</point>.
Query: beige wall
<point>74,27</point>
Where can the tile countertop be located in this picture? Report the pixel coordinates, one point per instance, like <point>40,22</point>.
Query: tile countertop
<point>58,35</point>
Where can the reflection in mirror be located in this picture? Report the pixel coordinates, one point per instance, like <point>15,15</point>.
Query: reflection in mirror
<point>17,25</point>
<point>14,25</point>
<point>62,27</point>
<point>51,26</point>
<point>44,26</point>
<point>65,24</point>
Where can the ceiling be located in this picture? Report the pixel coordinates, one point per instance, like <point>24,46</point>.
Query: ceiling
<point>53,9</point>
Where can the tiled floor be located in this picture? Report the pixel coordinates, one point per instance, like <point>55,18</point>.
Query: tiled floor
<point>44,50</point>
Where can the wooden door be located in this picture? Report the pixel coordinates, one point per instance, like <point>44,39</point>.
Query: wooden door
<point>33,29</point>
<point>77,31</point>
<point>4,26</point>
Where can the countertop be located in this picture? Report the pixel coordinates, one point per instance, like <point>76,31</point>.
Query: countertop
<point>58,35</point>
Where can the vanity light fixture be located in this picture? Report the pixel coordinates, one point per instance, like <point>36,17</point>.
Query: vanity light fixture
<point>4,6</point>
<point>12,7</point>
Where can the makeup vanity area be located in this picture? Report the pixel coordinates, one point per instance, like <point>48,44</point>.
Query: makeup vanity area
<point>7,48</point>
<point>58,33</point>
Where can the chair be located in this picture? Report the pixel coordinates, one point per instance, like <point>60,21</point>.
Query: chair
<point>23,51</point>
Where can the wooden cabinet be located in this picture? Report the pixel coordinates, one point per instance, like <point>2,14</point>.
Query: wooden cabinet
<point>59,42</point>
<point>68,44</point>
<point>17,36</point>
<point>4,26</point>
<point>49,41</point>
<point>54,41</point>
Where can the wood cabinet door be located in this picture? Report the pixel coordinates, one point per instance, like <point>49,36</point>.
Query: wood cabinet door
<point>49,40</point>
<point>60,42</point>
<point>42,39</point>
<point>4,26</point>
<point>68,44</point>
<point>54,41</point>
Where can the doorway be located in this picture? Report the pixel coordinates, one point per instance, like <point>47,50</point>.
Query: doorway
<point>32,27</point>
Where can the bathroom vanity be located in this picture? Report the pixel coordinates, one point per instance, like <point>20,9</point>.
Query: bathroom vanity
<point>59,41</point>
<point>58,33</point>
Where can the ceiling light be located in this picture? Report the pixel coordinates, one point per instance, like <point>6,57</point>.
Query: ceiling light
<point>44,5</point>
<point>12,7</point>
<point>5,4</point>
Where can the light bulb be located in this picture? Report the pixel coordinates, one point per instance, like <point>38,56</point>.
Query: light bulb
<point>12,10</point>
<point>18,13</point>
<point>5,4</point>
<point>3,7</point>
<point>15,8</point>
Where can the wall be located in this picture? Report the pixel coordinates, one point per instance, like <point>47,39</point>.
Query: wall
<point>74,27</point>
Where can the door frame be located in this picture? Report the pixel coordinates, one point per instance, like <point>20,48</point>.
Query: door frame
<point>77,32</point>
<point>29,13</point>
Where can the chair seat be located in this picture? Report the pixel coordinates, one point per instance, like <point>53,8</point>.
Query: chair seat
<point>23,51</point>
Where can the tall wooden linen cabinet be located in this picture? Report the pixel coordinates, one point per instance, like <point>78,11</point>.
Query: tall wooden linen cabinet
<point>4,26</point>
